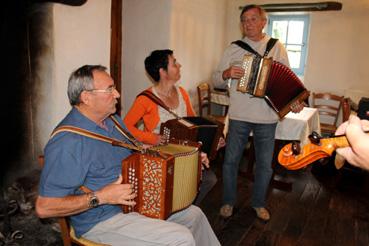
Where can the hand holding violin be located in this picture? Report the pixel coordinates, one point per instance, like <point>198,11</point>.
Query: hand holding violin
<point>357,153</point>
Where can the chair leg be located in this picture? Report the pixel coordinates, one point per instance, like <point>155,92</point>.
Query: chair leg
<point>64,230</point>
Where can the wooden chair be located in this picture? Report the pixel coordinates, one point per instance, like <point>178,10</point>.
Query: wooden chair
<point>204,96</point>
<point>329,107</point>
<point>346,109</point>
<point>66,230</point>
<point>204,101</point>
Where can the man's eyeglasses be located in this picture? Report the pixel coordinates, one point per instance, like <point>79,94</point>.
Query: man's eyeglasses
<point>110,89</point>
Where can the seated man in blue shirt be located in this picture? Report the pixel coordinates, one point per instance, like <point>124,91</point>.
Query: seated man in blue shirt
<point>73,160</point>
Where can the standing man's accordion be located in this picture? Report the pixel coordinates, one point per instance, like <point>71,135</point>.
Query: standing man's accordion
<point>166,178</point>
<point>272,80</point>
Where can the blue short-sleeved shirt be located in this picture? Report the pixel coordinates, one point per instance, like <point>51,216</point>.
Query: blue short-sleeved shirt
<point>73,160</point>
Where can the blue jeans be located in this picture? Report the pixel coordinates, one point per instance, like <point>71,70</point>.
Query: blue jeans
<point>238,133</point>
<point>209,179</point>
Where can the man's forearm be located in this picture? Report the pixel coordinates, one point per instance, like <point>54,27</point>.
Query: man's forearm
<point>59,207</point>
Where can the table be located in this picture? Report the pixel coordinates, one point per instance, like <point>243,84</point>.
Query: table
<point>298,126</point>
<point>220,97</point>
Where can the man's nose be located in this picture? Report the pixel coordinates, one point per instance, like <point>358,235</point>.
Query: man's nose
<point>116,93</point>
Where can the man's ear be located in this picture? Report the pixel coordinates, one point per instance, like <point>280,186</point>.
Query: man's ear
<point>85,97</point>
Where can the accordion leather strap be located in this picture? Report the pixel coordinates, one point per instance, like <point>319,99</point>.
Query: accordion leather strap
<point>245,46</point>
<point>93,135</point>
<point>158,101</point>
<point>125,133</point>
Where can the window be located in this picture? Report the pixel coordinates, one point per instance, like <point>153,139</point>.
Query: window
<point>292,31</point>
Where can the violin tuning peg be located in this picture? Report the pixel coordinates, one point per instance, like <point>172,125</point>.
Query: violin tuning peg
<point>296,148</point>
<point>314,138</point>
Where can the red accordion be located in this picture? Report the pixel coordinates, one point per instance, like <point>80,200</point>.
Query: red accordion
<point>165,178</point>
<point>272,80</point>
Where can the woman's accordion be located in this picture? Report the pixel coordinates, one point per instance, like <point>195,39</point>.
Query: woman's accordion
<point>195,129</point>
<point>272,80</point>
<point>165,178</point>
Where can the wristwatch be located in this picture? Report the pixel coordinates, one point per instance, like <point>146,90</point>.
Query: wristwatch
<point>93,200</point>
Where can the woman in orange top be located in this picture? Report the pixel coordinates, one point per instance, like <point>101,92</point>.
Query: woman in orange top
<point>164,70</point>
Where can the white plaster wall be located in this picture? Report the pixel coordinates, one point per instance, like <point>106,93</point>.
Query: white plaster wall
<point>145,28</point>
<point>81,36</point>
<point>197,36</point>
<point>337,57</point>
<point>194,29</point>
<point>338,53</point>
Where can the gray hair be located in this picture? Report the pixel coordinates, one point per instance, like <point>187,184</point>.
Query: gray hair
<point>262,12</point>
<point>80,80</point>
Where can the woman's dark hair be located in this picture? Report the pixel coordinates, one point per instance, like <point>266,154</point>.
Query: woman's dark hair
<point>156,60</point>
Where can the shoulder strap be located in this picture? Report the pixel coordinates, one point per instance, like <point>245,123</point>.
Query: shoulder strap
<point>270,45</point>
<point>158,101</point>
<point>125,133</point>
<point>245,46</point>
<point>93,135</point>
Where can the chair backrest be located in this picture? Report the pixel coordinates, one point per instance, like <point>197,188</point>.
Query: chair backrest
<point>203,93</point>
<point>67,232</point>
<point>346,109</point>
<point>329,106</point>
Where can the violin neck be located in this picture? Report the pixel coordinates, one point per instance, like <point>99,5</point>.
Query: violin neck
<point>340,141</point>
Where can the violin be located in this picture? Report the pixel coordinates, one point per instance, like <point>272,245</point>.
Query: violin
<point>292,157</point>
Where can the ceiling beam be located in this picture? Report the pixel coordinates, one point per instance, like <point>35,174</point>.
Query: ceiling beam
<point>301,7</point>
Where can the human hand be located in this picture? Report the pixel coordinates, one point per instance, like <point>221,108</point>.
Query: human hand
<point>204,159</point>
<point>117,193</point>
<point>221,143</point>
<point>233,72</point>
<point>161,139</point>
<point>357,153</point>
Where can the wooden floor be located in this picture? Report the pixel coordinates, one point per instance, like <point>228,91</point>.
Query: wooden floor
<point>325,207</point>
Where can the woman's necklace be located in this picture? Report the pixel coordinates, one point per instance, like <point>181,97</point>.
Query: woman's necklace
<point>167,94</point>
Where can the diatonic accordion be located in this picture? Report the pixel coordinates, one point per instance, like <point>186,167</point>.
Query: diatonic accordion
<point>272,80</point>
<point>195,129</point>
<point>165,178</point>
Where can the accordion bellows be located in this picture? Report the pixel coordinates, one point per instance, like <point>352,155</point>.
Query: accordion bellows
<point>277,83</point>
<point>166,179</point>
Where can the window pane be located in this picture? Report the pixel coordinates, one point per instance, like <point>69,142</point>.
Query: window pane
<point>294,55</point>
<point>295,32</point>
<point>280,30</point>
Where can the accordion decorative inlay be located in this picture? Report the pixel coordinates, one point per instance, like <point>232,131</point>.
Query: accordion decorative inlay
<point>195,129</point>
<point>272,80</point>
<point>165,179</point>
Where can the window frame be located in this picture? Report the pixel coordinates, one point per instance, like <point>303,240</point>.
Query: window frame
<point>293,17</point>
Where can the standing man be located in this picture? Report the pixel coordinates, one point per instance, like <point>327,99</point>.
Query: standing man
<point>248,114</point>
<point>73,160</point>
